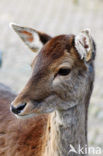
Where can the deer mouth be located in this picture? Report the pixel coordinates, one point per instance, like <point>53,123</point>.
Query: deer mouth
<point>25,110</point>
<point>31,109</point>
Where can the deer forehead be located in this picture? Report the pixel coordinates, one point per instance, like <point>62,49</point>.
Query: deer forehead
<point>56,46</point>
<point>58,50</point>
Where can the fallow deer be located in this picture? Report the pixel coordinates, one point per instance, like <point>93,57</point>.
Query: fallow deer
<point>54,102</point>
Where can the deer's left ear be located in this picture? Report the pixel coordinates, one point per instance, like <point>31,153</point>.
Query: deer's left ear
<point>84,45</point>
<point>31,37</point>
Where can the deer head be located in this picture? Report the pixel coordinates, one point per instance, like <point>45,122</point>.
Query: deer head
<point>59,72</point>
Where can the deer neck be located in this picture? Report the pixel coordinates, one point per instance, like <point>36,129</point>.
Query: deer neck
<point>66,128</point>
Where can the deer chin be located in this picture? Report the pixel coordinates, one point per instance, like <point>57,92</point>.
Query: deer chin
<point>34,114</point>
<point>26,116</point>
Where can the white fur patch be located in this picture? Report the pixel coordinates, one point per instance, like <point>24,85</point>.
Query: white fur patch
<point>36,43</point>
<point>56,81</point>
<point>26,116</point>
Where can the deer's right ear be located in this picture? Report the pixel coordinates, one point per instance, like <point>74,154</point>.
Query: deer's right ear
<point>31,37</point>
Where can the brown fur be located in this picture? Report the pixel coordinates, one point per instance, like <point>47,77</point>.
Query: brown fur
<point>19,138</point>
<point>52,54</point>
<point>32,136</point>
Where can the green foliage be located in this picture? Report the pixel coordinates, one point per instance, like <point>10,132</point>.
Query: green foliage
<point>76,1</point>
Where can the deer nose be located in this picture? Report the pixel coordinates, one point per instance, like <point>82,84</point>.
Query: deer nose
<point>18,110</point>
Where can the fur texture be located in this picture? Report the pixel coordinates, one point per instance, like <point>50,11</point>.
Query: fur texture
<point>19,137</point>
<point>59,102</point>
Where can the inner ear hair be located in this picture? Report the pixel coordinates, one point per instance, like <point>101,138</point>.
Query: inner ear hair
<point>84,45</point>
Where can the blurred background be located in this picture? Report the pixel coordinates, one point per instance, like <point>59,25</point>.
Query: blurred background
<point>53,17</point>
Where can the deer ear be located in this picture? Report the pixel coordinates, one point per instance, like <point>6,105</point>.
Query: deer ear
<point>84,45</point>
<point>31,37</point>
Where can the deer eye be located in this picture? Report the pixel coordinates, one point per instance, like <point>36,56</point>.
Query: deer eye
<point>64,71</point>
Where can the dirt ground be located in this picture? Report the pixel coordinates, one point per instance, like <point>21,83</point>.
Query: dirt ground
<point>53,17</point>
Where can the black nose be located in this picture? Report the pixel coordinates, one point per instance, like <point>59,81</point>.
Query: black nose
<point>17,110</point>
